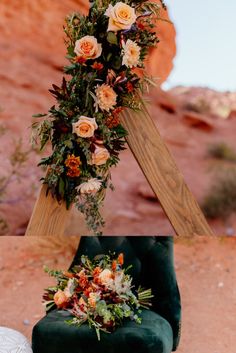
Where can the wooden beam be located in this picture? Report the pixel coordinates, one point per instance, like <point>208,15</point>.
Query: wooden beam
<point>163,175</point>
<point>48,217</point>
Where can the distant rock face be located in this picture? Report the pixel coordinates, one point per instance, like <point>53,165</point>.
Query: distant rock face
<point>207,101</point>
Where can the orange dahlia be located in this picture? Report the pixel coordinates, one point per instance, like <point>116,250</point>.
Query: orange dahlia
<point>73,163</point>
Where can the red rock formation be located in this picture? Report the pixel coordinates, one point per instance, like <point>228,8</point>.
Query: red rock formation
<point>32,54</point>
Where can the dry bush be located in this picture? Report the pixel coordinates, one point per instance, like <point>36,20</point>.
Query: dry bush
<point>15,163</point>
<point>220,202</point>
<point>222,151</point>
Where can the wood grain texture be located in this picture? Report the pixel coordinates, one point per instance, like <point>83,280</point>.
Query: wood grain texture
<point>163,175</point>
<point>48,217</point>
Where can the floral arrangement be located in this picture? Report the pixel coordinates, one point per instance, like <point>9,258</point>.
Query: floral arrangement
<point>107,51</point>
<point>98,292</point>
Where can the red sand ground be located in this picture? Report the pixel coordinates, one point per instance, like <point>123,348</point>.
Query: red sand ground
<point>206,271</point>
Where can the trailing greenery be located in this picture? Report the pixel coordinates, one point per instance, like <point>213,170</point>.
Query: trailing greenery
<point>106,52</point>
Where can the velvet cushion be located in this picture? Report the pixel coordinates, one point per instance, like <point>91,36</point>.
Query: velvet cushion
<point>152,267</point>
<point>53,335</point>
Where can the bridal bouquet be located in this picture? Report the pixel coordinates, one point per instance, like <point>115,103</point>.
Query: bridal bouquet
<point>97,292</point>
<point>106,51</point>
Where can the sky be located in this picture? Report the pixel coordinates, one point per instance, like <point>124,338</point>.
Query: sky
<point>206,43</point>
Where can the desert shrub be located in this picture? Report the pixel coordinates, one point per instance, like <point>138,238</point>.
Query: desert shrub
<point>222,151</point>
<point>220,202</point>
<point>16,160</point>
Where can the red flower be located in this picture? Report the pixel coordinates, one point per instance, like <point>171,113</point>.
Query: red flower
<point>97,66</point>
<point>140,25</point>
<point>129,87</point>
<point>79,60</point>
<point>83,281</point>
<point>87,291</point>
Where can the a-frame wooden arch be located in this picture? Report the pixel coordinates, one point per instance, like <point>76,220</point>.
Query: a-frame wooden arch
<point>49,218</point>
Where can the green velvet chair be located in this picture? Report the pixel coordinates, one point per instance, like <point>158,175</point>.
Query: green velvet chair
<point>152,267</point>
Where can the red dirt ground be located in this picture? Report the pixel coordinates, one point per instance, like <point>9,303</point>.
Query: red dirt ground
<point>206,271</point>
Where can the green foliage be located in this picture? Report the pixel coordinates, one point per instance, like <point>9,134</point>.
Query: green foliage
<point>77,96</point>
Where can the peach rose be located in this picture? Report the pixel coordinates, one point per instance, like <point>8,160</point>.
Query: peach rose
<point>60,298</point>
<point>121,16</point>
<point>85,126</point>
<point>88,48</point>
<point>131,54</point>
<point>106,97</point>
<point>100,156</point>
<point>89,187</point>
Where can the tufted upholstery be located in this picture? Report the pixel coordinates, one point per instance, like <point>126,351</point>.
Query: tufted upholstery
<point>152,267</point>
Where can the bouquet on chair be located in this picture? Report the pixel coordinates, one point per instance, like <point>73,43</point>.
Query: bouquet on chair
<point>107,51</point>
<point>97,292</point>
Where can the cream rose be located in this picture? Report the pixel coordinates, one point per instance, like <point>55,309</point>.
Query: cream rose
<point>121,16</point>
<point>106,277</point>
<point>88,48</point>
<point>100,156</point>
<point>131,54</point>
<point>106,97</point>
<point>85,126</point>
<point>90,186</point>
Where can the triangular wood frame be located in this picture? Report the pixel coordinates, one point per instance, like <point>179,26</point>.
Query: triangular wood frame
<point>49,218</point>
